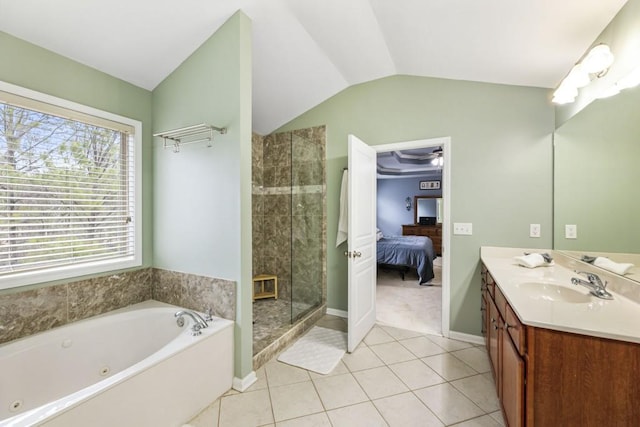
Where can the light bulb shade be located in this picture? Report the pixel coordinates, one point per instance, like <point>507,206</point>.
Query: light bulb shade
<point>562,100</point>
<point>565,93</point>
<point>598,59</point>
<point>630,80</point>
<point>566,90</point>
<point>578,77</point>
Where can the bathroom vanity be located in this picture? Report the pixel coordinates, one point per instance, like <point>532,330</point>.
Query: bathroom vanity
<point>560,356</point>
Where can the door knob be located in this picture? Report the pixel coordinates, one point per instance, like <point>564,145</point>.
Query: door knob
<point>357,254</point>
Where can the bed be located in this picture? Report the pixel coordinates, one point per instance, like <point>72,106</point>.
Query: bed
<point>408,251</point>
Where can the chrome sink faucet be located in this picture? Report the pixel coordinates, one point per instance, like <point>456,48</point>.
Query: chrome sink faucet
<point>594,284</point>
<point>199,322</point>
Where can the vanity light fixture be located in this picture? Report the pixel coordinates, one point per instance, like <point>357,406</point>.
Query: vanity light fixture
<point>630,80</point>
<point>598,60</point>
<point>596,63</point>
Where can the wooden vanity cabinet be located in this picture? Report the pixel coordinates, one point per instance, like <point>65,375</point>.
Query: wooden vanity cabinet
<point>553,378</point>
<point>505,352</point>
<point>494,332</point>
<point>512,381</point>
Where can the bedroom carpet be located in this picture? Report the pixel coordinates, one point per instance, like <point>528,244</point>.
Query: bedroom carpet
<point>407,305</point>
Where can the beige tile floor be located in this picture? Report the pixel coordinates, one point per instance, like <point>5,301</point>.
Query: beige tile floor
<point>395,377</point>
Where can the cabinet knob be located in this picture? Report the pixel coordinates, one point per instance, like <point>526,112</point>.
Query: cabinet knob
<point>507,326</point>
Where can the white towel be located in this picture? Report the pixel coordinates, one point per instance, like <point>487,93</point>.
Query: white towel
<point>532,261</point>
<point>615,267</point>
<point>343,224</point>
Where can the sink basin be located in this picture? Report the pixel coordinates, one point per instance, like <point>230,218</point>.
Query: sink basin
<point>551,292</point>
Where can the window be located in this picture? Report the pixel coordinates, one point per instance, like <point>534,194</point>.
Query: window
<point>69,186</point>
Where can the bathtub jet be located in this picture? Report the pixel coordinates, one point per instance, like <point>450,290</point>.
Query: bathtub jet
<point>120,368</point>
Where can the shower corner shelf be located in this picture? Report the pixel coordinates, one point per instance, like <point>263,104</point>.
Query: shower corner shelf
<point>189,135</point>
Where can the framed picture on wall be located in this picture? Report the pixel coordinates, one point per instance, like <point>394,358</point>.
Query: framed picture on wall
<point>429,185</point>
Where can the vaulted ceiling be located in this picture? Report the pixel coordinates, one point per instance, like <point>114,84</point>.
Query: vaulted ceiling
<point>305,51</point>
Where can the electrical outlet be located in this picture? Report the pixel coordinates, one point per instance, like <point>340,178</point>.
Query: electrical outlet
<point>570,231</point>
<point>463,228</point>
<point>534,230</point>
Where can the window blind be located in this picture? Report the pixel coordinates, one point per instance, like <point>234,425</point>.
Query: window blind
<point>66,188</point>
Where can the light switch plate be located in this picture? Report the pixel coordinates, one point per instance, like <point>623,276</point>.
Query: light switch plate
<point>463,228</point>
<point>570,231</point>
<point>534,230</point>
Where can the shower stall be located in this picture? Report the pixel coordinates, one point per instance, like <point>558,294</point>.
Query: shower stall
<point>289,229</point>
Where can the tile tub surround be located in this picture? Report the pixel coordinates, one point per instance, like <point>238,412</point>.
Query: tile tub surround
<point>28,312</point>
<point>195,292</point>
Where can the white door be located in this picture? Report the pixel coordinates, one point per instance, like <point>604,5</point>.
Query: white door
<point>361,241</point>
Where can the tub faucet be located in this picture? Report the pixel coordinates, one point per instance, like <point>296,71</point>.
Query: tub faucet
<point>594,284</point>
<point>199,322</point>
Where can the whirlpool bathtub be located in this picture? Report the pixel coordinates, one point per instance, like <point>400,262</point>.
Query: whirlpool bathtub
<point>131,367</point>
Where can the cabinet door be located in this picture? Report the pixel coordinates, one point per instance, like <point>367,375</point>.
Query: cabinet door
<point>483,313</point>
<point>494,331</point>
<point>512,382</point>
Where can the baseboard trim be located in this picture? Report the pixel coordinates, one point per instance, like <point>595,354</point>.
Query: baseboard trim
<point>241,384</point>
<point>336,312</point>
<point>473,339</point>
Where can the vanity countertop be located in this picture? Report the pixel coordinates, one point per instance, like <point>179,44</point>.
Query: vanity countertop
<point>579,312</point>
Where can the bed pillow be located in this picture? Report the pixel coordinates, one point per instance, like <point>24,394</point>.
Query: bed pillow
<point>378,234</point>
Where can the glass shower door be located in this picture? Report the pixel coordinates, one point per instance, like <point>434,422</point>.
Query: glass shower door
<point>307,222</point>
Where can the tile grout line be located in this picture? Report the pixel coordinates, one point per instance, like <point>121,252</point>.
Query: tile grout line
<point>351,372</point>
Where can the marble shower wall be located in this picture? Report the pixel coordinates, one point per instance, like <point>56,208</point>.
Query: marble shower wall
<point>28,312</point>
<point>257,202</point>
<point>289,212</point>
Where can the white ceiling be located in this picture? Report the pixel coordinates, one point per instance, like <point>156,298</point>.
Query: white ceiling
<point>305,51</point>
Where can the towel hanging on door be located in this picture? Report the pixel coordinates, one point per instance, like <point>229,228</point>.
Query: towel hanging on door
<point>343,225</point>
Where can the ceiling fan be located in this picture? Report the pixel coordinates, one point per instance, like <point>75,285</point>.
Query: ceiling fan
<point>410,162</point>
<point>437,158</point>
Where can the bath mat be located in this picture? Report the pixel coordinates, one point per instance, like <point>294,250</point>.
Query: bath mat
<point>319,350</point>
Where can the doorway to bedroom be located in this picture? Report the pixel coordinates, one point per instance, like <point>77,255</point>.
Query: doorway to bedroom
<point>410,214</point>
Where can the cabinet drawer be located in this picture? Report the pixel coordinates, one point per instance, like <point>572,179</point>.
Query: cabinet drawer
<point>516,330</point>
<point>490,284</point>
<point>501,302</point>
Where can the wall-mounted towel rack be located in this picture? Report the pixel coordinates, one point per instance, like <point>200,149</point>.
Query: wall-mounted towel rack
<point>189,135</point>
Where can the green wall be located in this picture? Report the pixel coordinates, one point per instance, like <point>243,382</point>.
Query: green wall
<point>202,195</point>
<point>597,150</point>
<point>38,69</point>
<point>501,166</point>
<point>596,176</point>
